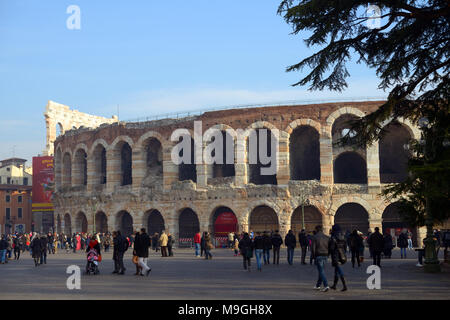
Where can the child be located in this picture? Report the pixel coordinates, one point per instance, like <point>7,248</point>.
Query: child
<point>236,247</point>
<point>136,262</point>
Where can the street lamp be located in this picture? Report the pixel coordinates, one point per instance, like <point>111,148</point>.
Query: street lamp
<point>431,259</point>
<point>304,201</point>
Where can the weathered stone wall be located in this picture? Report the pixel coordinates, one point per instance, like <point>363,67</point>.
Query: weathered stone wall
<point>57,114</point>
<point>205,196</point>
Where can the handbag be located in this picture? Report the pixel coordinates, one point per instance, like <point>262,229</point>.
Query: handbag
<point>135,259</point>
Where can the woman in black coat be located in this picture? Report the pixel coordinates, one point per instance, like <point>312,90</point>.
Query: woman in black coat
<point>246,247</point>
<point>388,245</point>
<point>36,250</point>
<point>356,242</point>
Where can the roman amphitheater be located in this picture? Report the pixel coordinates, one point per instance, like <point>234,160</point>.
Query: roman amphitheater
<point>120,175</point>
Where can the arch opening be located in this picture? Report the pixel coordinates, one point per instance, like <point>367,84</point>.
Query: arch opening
<point>350,167</point>
<point>189,225</point>
<point>226,167</point>
<point>256,162</point>
<point>101,222</point>
<point>81,223</point>
<point>394,225</point>
<point>352,216</point>
<point>224,221</point>
<point>67,170</point>
<point>125,223</point>
<point>126,164</point>
<point>67,224</point>
<point>100,165</point>
<point>154,162</point>
<point>187,171</point>
<point>304,152</point>
<point>312,218</point>
<point>155,222</point>
<point>80,168</point>
<point>263,218</point>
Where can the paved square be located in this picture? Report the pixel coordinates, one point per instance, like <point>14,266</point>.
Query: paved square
<point>185,277</point>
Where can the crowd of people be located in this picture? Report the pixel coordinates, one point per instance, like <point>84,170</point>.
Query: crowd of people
<point>262,245</point>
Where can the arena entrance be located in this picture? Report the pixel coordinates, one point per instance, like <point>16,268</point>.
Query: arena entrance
<point>224,222</point>
<point>125,223</point>
<point>351,216</point>
<point>313,218</point>
<point>394,225</point>
<point>155,222</point>
<point>263,218</point>
<point>188,227</point>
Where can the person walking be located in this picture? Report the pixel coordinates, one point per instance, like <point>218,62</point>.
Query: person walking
<point>376,244</point>
<point>197,243</point>
<point>246,248</point>
<point>170,243</point>
<point>402,243</point>
<point>267,247</point>
<point>303,241</point>
<point>355,246</point>
<point>141,245</point>
<point>290,242</point>
<point>3,247</point>
<point>258,243</point>
<point>120,246</point>
<point>310,239</point>
<point>336,248</point>
<point>208,246</point>
<point>163,241</point>
<point>277,241</point>
<point>202,244</point>
<point>107,242</point>
<point>388,245</point>
<point>44,244</point>
<point>320,251</point>
<point>36,249</point>
<point>230,239</point>
<point>18,247</point>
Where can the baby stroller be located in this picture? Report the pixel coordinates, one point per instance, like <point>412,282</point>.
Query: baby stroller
<point>92,262</point>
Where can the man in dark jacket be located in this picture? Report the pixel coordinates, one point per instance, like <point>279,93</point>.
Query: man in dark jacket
<point>376,244</point>
<point>3,248</point>
<point>356,242</point>
<point>402,243</point>
<point>44,244</point>
<point>290,242</point>
<point>50,240</point>
<point>36,249</point>
<point>388,245</point>
<point>336,249</point>
<point>141,245</point>
<point>246,248</point>
<point>320,252</point>
<point>303,241</point>
<point>120,246</point>
<point>267,247</point>
<point>277,241</point>
<point>258,244</point>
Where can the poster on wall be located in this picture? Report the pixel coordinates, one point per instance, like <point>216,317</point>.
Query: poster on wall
<point>43,180</point>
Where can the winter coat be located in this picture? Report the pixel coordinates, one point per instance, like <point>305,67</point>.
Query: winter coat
<point>302,239</point>
<point>141,245</point>
<point>376,241</point>
<point>320,245</point>
<point>208,244</point>
<point>388,243</point>
<point>336,243</point>
<point>277,241</point>
<point>197,238</point>
<point>258,242</point>
<point>163,240</point>
<point>290,240</point>
<point>44,242</point>
<point>267,243</point>
<point>402,241</point>
<point>246,246</point>
<point>36,248</point>
<point>119,245</point>
<point>356,242</point>
<point>3,244</point>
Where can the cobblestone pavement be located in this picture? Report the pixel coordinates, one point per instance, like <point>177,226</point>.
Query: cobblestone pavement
<point>185,277</point>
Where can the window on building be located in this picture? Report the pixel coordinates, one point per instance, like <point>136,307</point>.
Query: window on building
<point>0,180</point>
<point>19,199</point>
<point>19,213</point>
<point>8,181</point>
<point>8,214</point>
<point>25,181</point>
<point>8,198</point>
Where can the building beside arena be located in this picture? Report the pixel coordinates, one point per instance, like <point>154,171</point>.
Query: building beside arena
<point>120,175</point>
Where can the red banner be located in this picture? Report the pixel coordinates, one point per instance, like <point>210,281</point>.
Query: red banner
<point>225,223</point>
<point>43,180</point>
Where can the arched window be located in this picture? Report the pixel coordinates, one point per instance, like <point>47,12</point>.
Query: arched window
<point>304,152</point>
<point>350,167</point>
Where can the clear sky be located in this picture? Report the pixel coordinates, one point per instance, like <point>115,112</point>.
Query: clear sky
<point>149,57</point>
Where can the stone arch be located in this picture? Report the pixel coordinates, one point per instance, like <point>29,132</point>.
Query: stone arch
<point>303,122</point>
<point>101,222</point>
<point>255,163</point>
<point>189,225</point>
<point>352,215</point>
<point>151,134</point>
<point>151,156</point>
<point>58,168</point>
<point>99,162</point>
<point>225,166</point>
<point>313,217</point>
<point>81,222</point>
<point>263,218</point>
<point>79,171</point>
<point>223,220</point>
<point>120,140</point>
<point>67,169</point>
<point>342,111</point>
<point>188,171</point>
<point>154,222</point>
<point>350,167</point>
<point>96,143</point>
<point>393,156</point>
<point>304,153</point>
<point>67,224</point>
<point>124,223</point>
